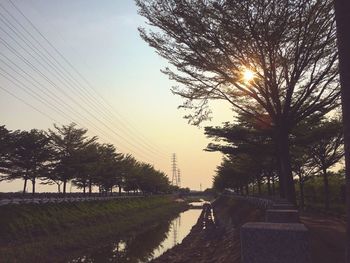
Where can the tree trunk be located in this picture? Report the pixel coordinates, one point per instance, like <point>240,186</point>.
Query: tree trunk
<point>90,187</point>
<point>84,188</point>
<point>269,185</point>
<point>342,10</point>
<point>273,186</point>
<point>302,198</point>
<point>120,189</point>
<point>59,188</point>
<point>247,189</point>
<point>25,185</point>
<point>286,169</point>
<point>280,177</point>
<point>259,186</point>
<point>33,188</point>
<point>64,186</point>
<point>326,189</point>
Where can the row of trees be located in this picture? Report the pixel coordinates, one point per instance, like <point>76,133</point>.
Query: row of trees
<point>66,154</point>
<point>251,159</point>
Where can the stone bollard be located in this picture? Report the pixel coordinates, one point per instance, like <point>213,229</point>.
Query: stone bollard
<point>282,216</point>
<point>263,242</point>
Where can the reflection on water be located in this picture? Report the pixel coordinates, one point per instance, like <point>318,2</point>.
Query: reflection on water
<point>147,245</point>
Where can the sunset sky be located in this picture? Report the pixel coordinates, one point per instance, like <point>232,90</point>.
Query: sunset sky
<point>129,102</point>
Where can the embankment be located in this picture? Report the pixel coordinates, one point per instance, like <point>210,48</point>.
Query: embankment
<point>218,241</point>
<point>57,232</point>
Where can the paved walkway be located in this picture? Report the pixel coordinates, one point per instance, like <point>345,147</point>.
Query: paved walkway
<point>327,237</point>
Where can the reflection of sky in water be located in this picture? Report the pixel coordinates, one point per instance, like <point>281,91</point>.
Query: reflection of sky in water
<point>199,203</point>
<point>119,247</point>
<point>144,246</point>
<point>179,229</point>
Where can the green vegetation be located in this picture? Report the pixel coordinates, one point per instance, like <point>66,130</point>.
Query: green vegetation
<point>315,195</point>
<point>250,162</point>
<point>36,231</point>
<point>68,154</point>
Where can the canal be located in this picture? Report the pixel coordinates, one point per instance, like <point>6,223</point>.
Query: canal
<point>145,245</point>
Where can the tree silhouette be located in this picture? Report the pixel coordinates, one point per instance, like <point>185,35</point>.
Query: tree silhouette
<point>68,154</point>
<point>235,172</point>
<point>243,140</point>
<point>86,166</point>
<point>109,167</point>
<point>6,148</point>
<point>326,150</point>
<point>30,157</point>
<point>289,45</point>
<point>66,141</point>
<point>342,11</point>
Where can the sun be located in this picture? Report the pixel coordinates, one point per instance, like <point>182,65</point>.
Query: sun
<point>248,75</point>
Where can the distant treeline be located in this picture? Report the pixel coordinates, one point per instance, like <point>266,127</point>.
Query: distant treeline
<point>66,153</point>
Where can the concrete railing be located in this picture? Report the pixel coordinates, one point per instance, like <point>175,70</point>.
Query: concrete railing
<point>262,203</point>
<point>18,201</point>
<point>280,239</point>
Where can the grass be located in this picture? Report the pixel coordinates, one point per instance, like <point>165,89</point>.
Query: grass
<point>31,233</point>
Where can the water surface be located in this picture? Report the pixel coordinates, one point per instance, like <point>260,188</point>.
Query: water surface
<point>145,245</point>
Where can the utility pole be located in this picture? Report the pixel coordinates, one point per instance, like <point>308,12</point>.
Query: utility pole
<point>174,178</point>
<point>178,177</point>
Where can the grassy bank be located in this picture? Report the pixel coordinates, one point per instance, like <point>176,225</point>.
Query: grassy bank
<point>36,233</point>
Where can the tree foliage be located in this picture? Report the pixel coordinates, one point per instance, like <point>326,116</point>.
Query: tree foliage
<point>68,154</point>
<point>288,45</point>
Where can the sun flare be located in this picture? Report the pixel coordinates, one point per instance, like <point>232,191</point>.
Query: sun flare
<point>248,75</point>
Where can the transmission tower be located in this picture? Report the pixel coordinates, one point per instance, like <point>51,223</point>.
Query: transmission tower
<point>178,178</point>
<point>174,178</point>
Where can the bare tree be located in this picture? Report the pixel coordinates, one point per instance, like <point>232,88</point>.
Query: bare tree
<point>273,60</point>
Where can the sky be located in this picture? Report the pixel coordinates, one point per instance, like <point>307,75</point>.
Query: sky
<point>86,63</point>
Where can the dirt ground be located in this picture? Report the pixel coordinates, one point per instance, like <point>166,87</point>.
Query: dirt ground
<point>219,241</point>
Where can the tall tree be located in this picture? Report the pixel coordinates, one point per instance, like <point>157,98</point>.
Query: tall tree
<point>326,150</point>
<point>131,169</point>
<point>31,156</point>
<point>342,12</point>
<point>242,138</point>
<point>66,141</point>
<point>235,172</point>
<point>6,147</point>
<point>288,47</point>
<point>86,166</point>
<point>109,167</point>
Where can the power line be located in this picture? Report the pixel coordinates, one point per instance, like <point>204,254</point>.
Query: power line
<point>144,142</point>
<point>9,47</point>
<point>31,106</point>
<point>28,104</point>
<point>38,97</point>
<point>118,115</point>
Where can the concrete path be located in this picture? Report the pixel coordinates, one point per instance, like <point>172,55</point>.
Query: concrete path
<point>327,238</point>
